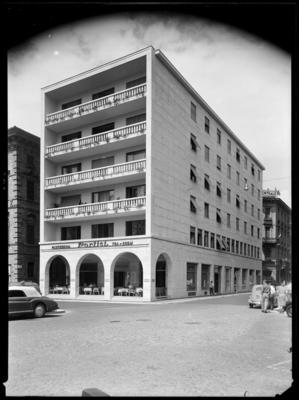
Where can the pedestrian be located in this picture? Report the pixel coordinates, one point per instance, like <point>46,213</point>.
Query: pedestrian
<point>272,297</point>
<point>211,288</point>
<point>266,291</point>
<point>281,297</point>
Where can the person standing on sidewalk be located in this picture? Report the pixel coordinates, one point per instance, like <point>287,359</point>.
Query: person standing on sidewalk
<point>212,288</point>
<point>266,291</point>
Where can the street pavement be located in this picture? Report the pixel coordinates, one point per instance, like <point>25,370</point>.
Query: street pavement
<point>203,347</point>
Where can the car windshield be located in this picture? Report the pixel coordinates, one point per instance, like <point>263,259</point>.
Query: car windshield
<point>31,292</point>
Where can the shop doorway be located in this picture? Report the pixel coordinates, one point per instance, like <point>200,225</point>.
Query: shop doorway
<point>59,276</point>
<point>161,276</point>
<point>127,275</point>
<point>91,275</point>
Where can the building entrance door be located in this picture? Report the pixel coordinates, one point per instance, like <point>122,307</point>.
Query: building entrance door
<point>216,282</point>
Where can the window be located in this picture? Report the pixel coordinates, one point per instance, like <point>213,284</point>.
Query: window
<point>252,189</point>
<point>229,146</point>
<point>66,201</point>
<point>193,142</point>
<point>105,195</point>
<point>103,93</point>
<point>102,128</point>
<point>228,220</point>
<point>207,125</point>
<point>192,204</point>
<point>245,162</point>
<point>192,234</point>
<point>229,171</point>
<point>218,242</point>
<point>206,210</point>
<point>252,169</point>
<point>30,233</point>
<point>206,239</point>
<point>102,162</point>
<point>252,230</point>
<point>258,175</point>
<point>135,155</point>
<point>233,245</point>
<point>71,233</point>
<point>251,251</point>
<point>193,176</point>
<point>241,248</point>
<point>218,189</point>
<point>258,233</point>
<point>135,119</point>
<point>237,201</point>
<point>193,111</point>
<point>199,237</point>
<point>258,194</point>
<point>207,154</point>
<point>135,82</point>
<point>102,230</point>
<point>227,244</point>
<point>16,293</point>
<point>191,276</point>
<point>135,191</point>
<point>258,253</point>
<point>69,169</point>
<point>228,195</point>
<point>237,224</point>
<point>219,163</point>
<point>30,269</point>
<point>70,136</point>
<point>245,184</point>
<point>135,227</point>
<point>218,215</point>
<point>245,249</point>
<point>205,276</point>
<point>238,178</point>
<point>245,205</point>
<point>258,214</point>
<point>218,136</point>
<point>207,182</point>
<point>237,247</point>
<point>30,190</point>
<point>252,210</point>
<point>70,104</point>
<point>212,240</point>
<point>238,155</point>
<point>245,227</point>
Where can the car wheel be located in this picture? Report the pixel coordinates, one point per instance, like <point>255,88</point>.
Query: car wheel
<point>289,310</point>
<point>250,305</point>
<point>39,311</point>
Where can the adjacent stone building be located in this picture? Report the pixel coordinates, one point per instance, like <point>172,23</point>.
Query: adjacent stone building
<point>23,205</point>
<point>145,191</point>
<point>276,238</point>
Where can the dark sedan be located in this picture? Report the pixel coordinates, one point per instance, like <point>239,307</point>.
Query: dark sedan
<point>27,300</point>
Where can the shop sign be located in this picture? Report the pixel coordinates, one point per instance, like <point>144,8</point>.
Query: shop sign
<point>268,192</point>
<point>104,243</point>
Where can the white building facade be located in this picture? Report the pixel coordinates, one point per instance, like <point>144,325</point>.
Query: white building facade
<point>145,192</point>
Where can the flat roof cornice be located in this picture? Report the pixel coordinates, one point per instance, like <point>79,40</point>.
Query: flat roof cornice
<point>200,100</point>
<point>96,70</point>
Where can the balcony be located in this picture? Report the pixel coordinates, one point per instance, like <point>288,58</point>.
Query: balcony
<point>268,221</point>
<point>116,173</point>
<point>88,112</point>
<point>270,240</point>
<point>108,209</point>
<point>90,144</point>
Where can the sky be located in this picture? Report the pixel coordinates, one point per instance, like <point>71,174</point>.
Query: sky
<point>245,80</point>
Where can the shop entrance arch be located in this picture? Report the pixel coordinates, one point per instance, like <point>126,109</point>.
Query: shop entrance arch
<point>90,275</point>
<point>59,276</point>
<point>127,275</point>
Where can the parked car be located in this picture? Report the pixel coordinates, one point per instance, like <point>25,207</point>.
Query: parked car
<point>288,305</point>
<point>28,300</point>
<point>26,283</point>
<point>255,297</point>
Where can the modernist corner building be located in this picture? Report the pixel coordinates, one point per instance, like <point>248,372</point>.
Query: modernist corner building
<point>145,192</point>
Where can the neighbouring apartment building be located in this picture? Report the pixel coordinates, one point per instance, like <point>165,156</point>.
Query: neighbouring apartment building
<point>144,189</point>
<point>276,238</point>
<point>23,205</point>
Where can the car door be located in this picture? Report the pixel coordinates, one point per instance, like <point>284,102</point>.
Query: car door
<point>18,302</point>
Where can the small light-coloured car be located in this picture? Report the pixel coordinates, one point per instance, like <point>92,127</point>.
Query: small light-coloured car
<point>255,298</point>
<point>28,300</point>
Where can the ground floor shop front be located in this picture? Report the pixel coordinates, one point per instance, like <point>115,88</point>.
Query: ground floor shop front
<point>145,269</point>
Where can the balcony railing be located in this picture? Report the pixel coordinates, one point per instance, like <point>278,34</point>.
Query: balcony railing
<point>268,221</point>
<point>96,105</point>
<point>96,140</point>
<point>96,174</point>
<point>107,207</point>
